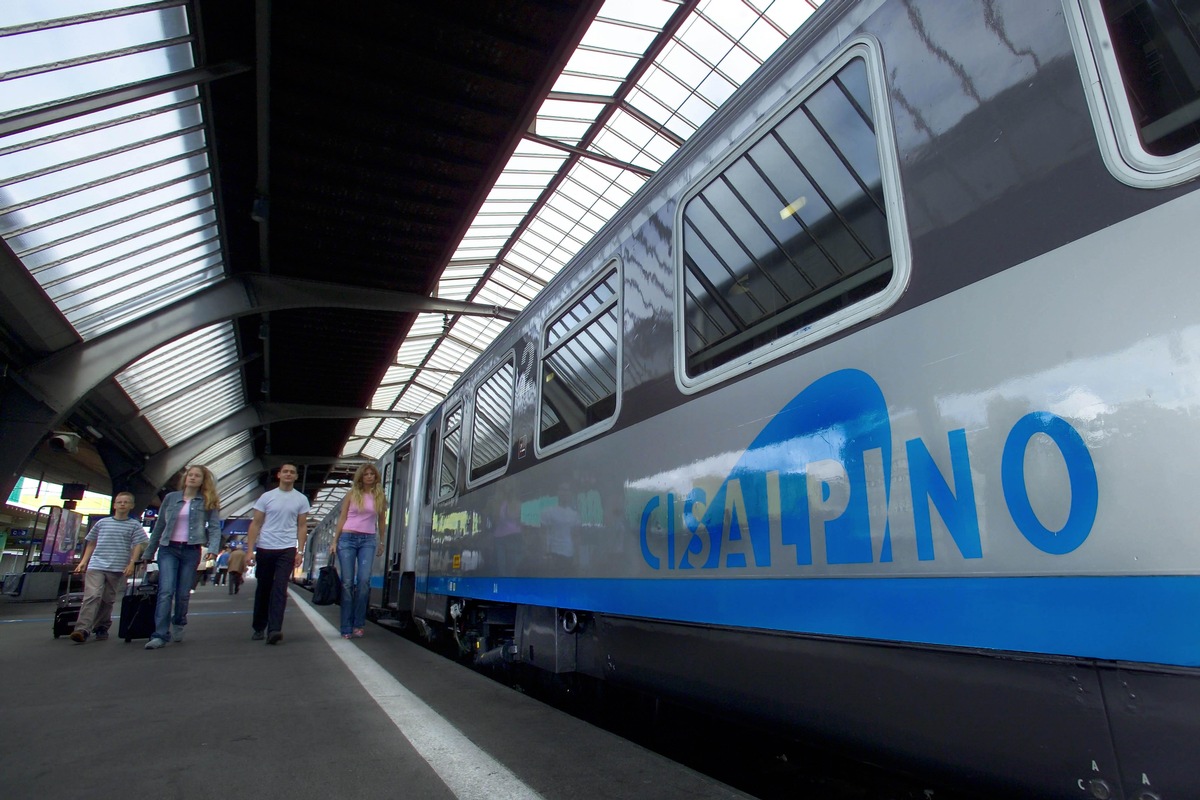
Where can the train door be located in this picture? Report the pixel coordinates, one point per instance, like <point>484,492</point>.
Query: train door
<point>425,493</point>
<point>396,479</point>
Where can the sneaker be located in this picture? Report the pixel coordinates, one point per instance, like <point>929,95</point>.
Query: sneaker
<point>275,637</point>
<point>347,636</point>
<point>101,634</point>
<point>154,644</point>
<point>177,633</point>
<point>79,637</point>
<point>359,633</point>
<point>258,636</point>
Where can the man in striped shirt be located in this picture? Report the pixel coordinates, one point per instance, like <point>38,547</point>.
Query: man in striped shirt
<point>114,545</point>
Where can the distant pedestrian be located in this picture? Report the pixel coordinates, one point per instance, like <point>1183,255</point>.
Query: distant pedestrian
<point>356,542</point>
<point>222,566</point>
<point>281,519</point>
<point>190,521</point>
<point>114,545</point>
<point>237,569</point>
<point>207,568</point>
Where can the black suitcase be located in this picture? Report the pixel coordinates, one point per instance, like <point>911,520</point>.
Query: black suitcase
<point>137,610</point>
<point>66,613</point>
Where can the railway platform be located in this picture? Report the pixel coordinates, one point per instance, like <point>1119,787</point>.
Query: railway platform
<point>315,716</point>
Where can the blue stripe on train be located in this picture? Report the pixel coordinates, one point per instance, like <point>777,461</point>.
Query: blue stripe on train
<point>1130,618</point>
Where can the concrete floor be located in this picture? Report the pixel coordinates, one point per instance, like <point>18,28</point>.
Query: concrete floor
<point>313,717</point>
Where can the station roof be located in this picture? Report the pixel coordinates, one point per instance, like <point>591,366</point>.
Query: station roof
<point>279,233</point>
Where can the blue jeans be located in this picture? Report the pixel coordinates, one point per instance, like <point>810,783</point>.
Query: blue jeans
<point>355,552</point>
<point>176,570</point>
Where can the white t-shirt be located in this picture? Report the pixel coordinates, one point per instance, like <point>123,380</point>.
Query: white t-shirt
<point>281,509</point>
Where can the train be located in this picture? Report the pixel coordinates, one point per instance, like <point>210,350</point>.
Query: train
<point>872,417</point>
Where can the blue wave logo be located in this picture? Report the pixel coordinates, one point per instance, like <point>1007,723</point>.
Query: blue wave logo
<point>822,468</point>
<point>835,420</point>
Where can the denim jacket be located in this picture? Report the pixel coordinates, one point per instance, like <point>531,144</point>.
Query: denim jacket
<point>204,526</point>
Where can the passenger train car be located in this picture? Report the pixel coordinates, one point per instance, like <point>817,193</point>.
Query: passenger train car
<point>873,416</point>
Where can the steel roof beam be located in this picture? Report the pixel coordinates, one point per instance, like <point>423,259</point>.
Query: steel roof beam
<point>163,464</point>
<point>66,377</point>
<point>98,101</point>
<point>49,390</point>
<point>274,461</point>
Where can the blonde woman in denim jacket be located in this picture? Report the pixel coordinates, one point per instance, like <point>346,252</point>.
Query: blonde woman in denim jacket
<point>188,523</point>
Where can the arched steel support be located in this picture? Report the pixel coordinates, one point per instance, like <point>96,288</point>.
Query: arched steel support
<point>33,401</point>
<point>66,377</point>
<point>165,463</point>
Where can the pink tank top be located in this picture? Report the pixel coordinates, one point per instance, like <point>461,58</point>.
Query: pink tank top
<point>180,534</point>
<point>361,520</point>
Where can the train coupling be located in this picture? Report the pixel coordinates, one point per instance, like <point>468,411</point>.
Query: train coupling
<point>504,654</point>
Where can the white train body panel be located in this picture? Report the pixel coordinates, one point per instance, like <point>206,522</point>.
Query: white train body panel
<point>974,478</point>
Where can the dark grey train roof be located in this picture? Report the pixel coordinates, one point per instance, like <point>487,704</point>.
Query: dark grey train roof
<point>333,171</point>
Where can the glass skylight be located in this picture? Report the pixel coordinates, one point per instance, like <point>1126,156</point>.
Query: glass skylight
<point>187,385</point>
<point>597,138</point>
<point>112,211</point>
<point>227,455</point>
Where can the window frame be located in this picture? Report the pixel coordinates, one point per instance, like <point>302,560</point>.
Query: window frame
<point>1109,105</point>
<point>615,266</point>
<point>867,49</point>
<point>451,408</point>
<point>397,519</point>
<point>492,474</point>
<point>386,479</point>
<point>433,458</point>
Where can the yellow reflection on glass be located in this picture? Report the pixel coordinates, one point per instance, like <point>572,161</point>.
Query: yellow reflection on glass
<point>792,207</point>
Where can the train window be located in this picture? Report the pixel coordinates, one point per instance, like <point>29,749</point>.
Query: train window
<point>491,426</point>
<point>581,363</point>
<point>1141,65</point>
<point>789,238</point>
<point>451,436</point>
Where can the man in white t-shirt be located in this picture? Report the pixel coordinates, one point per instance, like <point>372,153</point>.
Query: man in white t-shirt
<point>275,544</point>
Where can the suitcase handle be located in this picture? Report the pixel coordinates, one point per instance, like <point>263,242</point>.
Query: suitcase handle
<point>71,576</point>
<point>144,565</point>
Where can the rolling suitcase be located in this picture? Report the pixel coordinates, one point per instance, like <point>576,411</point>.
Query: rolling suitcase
<point>66,613</point>
<point>137,609</point>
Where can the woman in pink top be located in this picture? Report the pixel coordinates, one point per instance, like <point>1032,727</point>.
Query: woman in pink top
<point>356,542</point>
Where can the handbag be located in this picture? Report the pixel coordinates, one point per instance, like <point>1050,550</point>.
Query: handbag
<point>328,588</point>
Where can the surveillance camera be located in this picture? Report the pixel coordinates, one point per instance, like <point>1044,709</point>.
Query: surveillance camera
<point>64,442</point>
